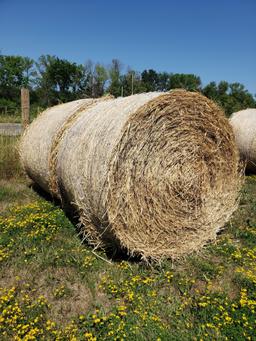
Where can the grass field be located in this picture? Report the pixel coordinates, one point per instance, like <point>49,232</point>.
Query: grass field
<point>9,165</point>
<point>10,118</point>
<point>54,287</point>
<point>15,117</point>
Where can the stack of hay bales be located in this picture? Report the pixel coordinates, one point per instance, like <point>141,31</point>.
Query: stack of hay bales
<point>244,126</point>
<point>154,174</point>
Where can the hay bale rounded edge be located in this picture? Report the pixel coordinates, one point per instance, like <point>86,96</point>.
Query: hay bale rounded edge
<point>39,143</point>
<point>244,126</point>
<point>155,174</point>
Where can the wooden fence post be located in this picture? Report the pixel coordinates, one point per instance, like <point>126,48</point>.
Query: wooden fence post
<point>24,107</point>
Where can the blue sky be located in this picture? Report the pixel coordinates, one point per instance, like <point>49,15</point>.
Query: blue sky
<point>212,38</point>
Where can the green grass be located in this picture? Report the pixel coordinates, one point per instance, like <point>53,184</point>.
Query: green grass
<point>15,117</point>
<point>6,118</point>
<point>54,287</point>
<point>9,164</point>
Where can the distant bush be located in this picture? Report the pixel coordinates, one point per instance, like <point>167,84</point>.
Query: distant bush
<point>10,106</point>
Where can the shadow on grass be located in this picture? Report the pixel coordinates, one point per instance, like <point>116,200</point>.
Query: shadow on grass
<point>114,252</point>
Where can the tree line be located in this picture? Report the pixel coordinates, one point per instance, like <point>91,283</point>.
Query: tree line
<point>52,80</point>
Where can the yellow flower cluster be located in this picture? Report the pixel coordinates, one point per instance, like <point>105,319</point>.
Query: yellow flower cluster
<point>88,261</point>
<point>5,252</point>
<point>132,291</point>
<point>59,292</point>
<point>34,218</point>
<point>224,313</point>
<point>250,274</point>
<point>14,315</point>
<point>90,337</point>
<point>246,302</point>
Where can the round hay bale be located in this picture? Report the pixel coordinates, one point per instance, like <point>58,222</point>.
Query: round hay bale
<point>40,141</point>
<point>244,126</point>
<point>155,174</point>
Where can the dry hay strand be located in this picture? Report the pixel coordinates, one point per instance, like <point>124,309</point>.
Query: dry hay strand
<point>244,125</point>
<point>155,174</point>
<point>40,142</point>
<point>53,185</point>
<point>83,160</point>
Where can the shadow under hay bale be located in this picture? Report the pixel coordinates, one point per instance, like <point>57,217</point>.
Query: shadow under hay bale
<point>114,253</point>
<point>156,174</point>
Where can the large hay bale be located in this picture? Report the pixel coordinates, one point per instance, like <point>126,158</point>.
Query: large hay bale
<point>244,126</point>
<point>156,174</point>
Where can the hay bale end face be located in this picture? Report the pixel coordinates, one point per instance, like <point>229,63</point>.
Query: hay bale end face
<point>155,174</point>
<point>244,126</point>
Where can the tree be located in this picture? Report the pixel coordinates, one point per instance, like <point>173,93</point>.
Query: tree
<point>163,81</point>
<point>44,85</point>
<point>88,74</point>
<point>131,83</point>
<point>211,91</point>
<point>100,77</point>
<point>15,72</point>
<point>115,78</point>
<point>95,76</point>
<point>59,80</point>
<point>52,80</point>
<point>150,80</point>
<point>231,97</point>
<point>189,82</point>
<point>222,88</point>
<point>240,99</point>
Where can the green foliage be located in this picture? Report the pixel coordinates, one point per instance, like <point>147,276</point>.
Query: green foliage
<point>131,83</point>
<point>59,80</point>
<point>150,80</point>
<point>94,80</point>
<point>163,81</point>
<point>15,71</point>
<point>185,81</point>
<point>100,77</point>
<point>232,97</point>
<point>115,78</point>
<point>9,106</point>
<point>52,80</point>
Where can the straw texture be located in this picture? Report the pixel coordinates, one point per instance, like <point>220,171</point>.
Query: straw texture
<point>155,174</point>
<point>244,126</point>
<point>40,141</point>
